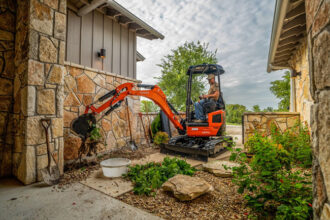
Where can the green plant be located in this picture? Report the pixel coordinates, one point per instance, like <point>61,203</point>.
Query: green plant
<point>156,125</point>
<point>147,178</point>
<point>161,138</point>
<point>271,187</point>
<point>95,134</point>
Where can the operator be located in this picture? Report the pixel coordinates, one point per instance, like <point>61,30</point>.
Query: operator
<point>212,96</point>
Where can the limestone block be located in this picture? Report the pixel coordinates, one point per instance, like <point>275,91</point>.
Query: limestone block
<point>47,50</point>
<point>90,74</point>
<point>35,73</point>
<point>61,55</point>
<point>111,141</point>
<point>322,18</point>
<point>71,147</point>
<point>71,100</point>
<point>42,161</point>
<point>187,188</point>
<point>325,212</point>
<point>26,171</point>
<point>59,100</point>
<point>61,155</point>
<point>68,117</point>
<point>109,79</point>
<point>106,125</point>
<point>87,99</point>
<point>292,121</point>
<point>70,82</point>
<point>5,103</point>
<point>31,100</point>
<point>100,93</point>
<point>75,71</point>
<point>85,84</point>
<point>256,118</point>
<point>121,143</point>
<point>100,81</point>
<point>62,7</point>
<point>7,21</point>
<point>56,74</point>
<point>217,168</point>
<point>6,87</point>
<point>322,60</point>
<point>41,17</point>
<point>323,128</point>
<point>282,126</point>
<point>35,133</point>
<point>51,3</point>
<point>46,102</point>
<point>60,26</point>
<point>6,35</point>
<point>57,127</point>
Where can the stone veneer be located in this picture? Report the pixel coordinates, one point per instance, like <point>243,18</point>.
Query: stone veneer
<point>318,39</point>
<point>85,85</point>
<point>304,100</point>
<point>261,122</point>
<point>7,75</point>
<point>37,82</point>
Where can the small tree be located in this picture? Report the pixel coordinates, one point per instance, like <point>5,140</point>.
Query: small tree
<point>256,108</point>
<point>174,66</point>
<point>281,89</point>
<point>148,106</point>
<point>234,113</point>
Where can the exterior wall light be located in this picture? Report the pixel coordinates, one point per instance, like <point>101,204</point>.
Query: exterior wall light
<point>102,53</point>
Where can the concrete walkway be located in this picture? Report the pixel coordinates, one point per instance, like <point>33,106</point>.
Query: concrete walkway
<point>76,202</point>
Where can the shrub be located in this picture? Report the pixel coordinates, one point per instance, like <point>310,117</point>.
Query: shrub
<point>271,187</point>
<point>146,178</point>
<point>156,125</point>
<point>161,138</point>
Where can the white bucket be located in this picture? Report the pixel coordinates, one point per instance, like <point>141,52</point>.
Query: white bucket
<point>115,167</point>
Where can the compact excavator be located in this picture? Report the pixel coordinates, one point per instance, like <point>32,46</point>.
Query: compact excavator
<point>197,139</point>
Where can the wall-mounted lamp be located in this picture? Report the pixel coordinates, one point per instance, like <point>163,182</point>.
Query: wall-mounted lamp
<point>102,53</point>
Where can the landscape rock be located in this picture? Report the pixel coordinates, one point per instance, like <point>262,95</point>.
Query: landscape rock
<point>217,168</point>
<point>187,188</point>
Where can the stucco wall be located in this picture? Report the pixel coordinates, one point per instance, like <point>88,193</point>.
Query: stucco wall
<point>303,101</point>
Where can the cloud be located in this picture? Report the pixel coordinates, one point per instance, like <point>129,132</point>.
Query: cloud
<point>238,29</point>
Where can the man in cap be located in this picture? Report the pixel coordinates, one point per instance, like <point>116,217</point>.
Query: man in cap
<point>212,96</point>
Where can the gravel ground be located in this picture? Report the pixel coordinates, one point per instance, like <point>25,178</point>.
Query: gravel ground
<point>77,172</point>
<point>223,203</point>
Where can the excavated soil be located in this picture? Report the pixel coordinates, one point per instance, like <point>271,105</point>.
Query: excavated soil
<point>77,172</point>
<point>223,203</point>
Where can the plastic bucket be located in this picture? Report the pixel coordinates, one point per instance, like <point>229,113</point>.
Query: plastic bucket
<point>115,167</point>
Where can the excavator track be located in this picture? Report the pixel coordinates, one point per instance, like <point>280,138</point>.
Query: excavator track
<point>197,148</point>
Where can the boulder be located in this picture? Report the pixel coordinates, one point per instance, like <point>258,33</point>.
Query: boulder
<point>217,168</point>
<point>187,188</point>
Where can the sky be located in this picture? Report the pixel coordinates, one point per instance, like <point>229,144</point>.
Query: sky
<point>238,29</point>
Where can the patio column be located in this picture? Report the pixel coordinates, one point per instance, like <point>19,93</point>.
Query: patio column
<point>38,85</point>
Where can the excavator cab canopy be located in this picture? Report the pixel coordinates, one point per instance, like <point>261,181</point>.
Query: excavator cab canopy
<point>206,69</point>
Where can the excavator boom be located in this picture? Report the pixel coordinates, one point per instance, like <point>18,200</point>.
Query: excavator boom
<point>117,95</point>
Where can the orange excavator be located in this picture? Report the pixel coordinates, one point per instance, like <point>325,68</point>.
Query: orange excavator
<point>198,139</point>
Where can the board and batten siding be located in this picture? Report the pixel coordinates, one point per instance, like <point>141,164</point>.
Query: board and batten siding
<point>88,34</point>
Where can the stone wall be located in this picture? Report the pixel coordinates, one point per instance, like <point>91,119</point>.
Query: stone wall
<point>83,86</point>
<point>7,75</point>
<point>303,101</point>
<point>261,122</point>
<point>318,38</point>
<point>38,85</point>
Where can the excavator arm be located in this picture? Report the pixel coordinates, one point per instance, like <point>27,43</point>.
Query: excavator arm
<point>152,92</point>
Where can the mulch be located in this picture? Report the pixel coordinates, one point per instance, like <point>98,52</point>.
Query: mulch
<point>223,203</point>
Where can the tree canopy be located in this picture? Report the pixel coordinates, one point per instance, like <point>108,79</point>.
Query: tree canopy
<point>281,89</point>
<point>234,113</point>
<point>148,106</point>
<point>174,66</point>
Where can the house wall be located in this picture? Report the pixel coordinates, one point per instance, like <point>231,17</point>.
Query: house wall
<point>318,38</point>
<point>7,75</point>
<point>86,35</point>
<point>261,122</point>
<point>303,98</point>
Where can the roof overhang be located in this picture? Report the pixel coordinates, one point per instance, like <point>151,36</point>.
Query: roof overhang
<point>116,11</point>
<point>139,57</point>
<point>289,27</point>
